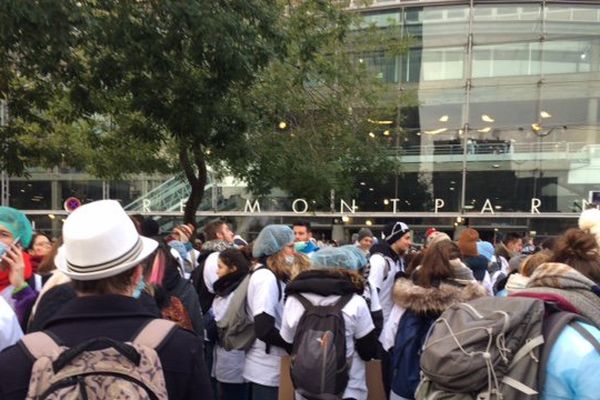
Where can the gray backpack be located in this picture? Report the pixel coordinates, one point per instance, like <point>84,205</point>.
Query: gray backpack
<point>492,348</point>
<point>236,328</point>
<point>319,367</point>
<point>487,348</point>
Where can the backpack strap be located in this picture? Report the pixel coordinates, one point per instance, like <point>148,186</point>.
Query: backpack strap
<point>276,279</point>
<point>155,333</point>
<point>337,306</point>
<point>586,334</point>
<point>39,344</point>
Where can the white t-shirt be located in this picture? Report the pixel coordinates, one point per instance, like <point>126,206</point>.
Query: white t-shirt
<point>383,282</point>
<point>263,297</point>
<point>228,366</point>
<point>358,324</point>
<point>211,265</point>
<point>10,330</point>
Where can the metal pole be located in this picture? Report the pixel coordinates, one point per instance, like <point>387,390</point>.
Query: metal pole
<point>466,112</point>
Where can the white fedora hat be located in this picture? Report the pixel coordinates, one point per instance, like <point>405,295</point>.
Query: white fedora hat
<point>100,241</point>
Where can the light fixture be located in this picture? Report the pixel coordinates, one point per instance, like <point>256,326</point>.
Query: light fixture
<point>362,184</point>
<point>444,118</point>
<point>545,114</point>
<point>487,118</point>
<point>459,220</point>
<point>536,127</point>
<point>485,130</point>
<point>380,122</point>
<point>345,218</point>
<point>51,216</point>
<point>282,125</point>
<point>386,202</point>
<point>436,131</point>
<point>208,152</point>
<point>368,222</point>
<point>583,56</point>
<point>371,134</point>
<point>386,132</point>
<point>360,60</point>
<point>418,133</point>
<point>371,190</point>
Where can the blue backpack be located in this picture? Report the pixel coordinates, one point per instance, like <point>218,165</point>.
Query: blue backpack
<point>406,354</point>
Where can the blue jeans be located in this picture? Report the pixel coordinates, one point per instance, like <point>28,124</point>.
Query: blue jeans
<point>260,392</point>
<point>233,391</point>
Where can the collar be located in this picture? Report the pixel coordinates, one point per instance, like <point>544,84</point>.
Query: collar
<point>99,307</point>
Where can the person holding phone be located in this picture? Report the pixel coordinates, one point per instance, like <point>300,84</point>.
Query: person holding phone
<point>15,266</point>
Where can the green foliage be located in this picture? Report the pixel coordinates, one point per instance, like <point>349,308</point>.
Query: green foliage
<point>119,86</point>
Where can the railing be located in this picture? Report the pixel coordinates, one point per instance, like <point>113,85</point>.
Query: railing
<point>495,148</point>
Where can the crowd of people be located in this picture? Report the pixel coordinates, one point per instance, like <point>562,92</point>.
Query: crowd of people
<point>202,314</point>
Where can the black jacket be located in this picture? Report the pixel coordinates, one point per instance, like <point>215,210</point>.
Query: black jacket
<point>119,318</point>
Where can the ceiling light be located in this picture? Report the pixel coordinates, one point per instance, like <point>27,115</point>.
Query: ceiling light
<point>362,184</point>
<point>371,134</point>
<point>418,133</point>
<point>536,127</point>
<point>485,130</point>
<point>386,201</point>
<point>436,131</point>
<point>282,125</point>
<point>386,133</point>
<point>380,122</point>
<point>487,118</point>
<point>51,216</point>
<point>345,218</point>
<point>368,222</point>
<point>444,118</point>
<point>545,114</point>
<point>360,60</point>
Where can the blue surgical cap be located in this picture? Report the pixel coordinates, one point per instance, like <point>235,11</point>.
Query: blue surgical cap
<point>271,240</point>
<point>17,223</point>
<point>486,249</point>
<point>345,257</point>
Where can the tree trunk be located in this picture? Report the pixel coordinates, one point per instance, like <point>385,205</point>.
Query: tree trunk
<point>197,179</point>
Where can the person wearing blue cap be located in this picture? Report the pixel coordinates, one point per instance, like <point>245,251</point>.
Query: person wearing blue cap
<point>274,249</point>
<point>334,283</point>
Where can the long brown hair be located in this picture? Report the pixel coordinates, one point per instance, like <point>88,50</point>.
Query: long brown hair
<point>579,250</point>
<point>436,263</point>
<point>279,266</point>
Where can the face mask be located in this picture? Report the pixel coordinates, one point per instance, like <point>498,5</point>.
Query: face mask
<point>3,249</point>
<point>137,292</point>
<point>289,260</point>
<point>299,246</point>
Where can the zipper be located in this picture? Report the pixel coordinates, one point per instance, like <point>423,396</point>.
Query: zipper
<point>79,380</point>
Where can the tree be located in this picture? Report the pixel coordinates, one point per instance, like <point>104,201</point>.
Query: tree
<point>119,86</point>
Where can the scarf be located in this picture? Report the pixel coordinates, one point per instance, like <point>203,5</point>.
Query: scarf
<point>227,284</point>
<point>325,283</point>
<point>566,282</point>
<point>215,245</point>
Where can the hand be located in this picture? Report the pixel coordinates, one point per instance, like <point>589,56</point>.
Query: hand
<point>16,266</point>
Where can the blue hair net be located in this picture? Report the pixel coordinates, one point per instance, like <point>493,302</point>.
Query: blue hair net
<point>486,249</point>
<point>17,223</point>
<point>271,240</point>
<point>346,257</point>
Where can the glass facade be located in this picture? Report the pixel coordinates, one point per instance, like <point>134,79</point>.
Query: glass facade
<point>503,123</point>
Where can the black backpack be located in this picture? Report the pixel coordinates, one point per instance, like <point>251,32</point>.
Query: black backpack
<point>319,368</point>
<point>197,279</point>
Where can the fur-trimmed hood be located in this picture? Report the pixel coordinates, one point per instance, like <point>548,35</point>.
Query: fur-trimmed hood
<point>422,300</point>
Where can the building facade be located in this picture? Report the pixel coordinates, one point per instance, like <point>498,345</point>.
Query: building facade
<point>502,133</point>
